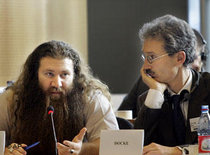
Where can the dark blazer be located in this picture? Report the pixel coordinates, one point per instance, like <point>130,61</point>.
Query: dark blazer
<point>158,124</point>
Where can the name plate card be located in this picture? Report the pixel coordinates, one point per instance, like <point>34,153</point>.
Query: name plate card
<point>121,142</point>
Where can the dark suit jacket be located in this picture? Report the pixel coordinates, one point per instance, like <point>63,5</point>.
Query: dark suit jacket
<point>158,124</point>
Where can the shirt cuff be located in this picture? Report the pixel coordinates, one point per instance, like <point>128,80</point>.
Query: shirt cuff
<point>189,150</point>
<point>154,99</point>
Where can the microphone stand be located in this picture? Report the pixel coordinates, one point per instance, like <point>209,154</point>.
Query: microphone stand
<point>53,126</point>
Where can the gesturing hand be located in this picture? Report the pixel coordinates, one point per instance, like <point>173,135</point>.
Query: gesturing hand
<point>72,147</point>
<point>15,149</point>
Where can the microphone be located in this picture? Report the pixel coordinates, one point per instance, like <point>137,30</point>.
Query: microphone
<point>50,111</point>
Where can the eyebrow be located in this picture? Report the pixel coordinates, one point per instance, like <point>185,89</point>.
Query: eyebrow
<point>63,71</point>
<point>49,70</point>
<point>148,52</point>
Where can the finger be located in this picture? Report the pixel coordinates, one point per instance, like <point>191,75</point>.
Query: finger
<point>80,136</point>
<point>11,148</point>
<point>23,145</point>
<point>147,79</point>
<point>148,148</point>
<point>142,71</point>
<point>68,144</point>
<point>152,153</point>
<point>62,148</point>
<point>69,147</point>
<point>72,145</point>
<point>17,152</point>
<point>144,74</point>
<point>21,150</point>
<point>75,143</point>
<point>145,150</point>
<point>77,138</point>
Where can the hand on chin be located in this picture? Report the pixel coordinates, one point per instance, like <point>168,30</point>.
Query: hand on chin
<point>151,80</point>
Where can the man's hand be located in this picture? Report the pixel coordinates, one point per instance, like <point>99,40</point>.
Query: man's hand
<point>72,147</point>
<point>156,149</point>
<point>151,82</point>
<point>15,149</point>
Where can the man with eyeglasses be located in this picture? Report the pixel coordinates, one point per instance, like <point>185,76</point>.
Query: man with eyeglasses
<point>170,108</point>
<point>130,102</point>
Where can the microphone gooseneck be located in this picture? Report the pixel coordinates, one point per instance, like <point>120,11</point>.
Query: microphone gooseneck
<point>50,111</point>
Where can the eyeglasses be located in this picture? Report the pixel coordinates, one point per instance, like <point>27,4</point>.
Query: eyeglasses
<point>152,58</point>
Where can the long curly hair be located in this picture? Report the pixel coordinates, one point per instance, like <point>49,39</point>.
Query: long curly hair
<point>28,120</point>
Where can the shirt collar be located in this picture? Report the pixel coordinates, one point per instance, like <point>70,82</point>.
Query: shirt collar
<point>187,85</point>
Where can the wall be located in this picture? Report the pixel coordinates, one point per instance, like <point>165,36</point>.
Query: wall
<point>113,45</point>
<point>27,23</point>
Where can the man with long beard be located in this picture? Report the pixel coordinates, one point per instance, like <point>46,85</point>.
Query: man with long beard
<point>54,75</point>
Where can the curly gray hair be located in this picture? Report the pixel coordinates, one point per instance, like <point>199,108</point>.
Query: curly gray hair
<point>176,34</point>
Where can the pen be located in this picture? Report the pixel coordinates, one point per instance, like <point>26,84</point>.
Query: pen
<point>30,146</point>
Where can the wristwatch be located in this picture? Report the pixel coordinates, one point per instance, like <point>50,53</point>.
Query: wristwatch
<point>184,150</point>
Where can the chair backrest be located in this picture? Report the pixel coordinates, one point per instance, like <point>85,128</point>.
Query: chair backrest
<point>124,124</point>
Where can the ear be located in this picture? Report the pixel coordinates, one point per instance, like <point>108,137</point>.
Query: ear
<point>181,57</point>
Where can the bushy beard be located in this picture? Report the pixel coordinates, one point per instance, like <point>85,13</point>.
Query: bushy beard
<point>56,94</point>
<point>58,101</point>
<point>36,124</point>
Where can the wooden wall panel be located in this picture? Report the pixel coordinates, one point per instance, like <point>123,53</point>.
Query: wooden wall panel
<point>27,23</point>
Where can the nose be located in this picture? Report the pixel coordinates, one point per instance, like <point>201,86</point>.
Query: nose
<point>147,65</point>
<point>56,82</point>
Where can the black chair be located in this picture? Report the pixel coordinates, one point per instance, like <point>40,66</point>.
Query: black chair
<point>124,124</point>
